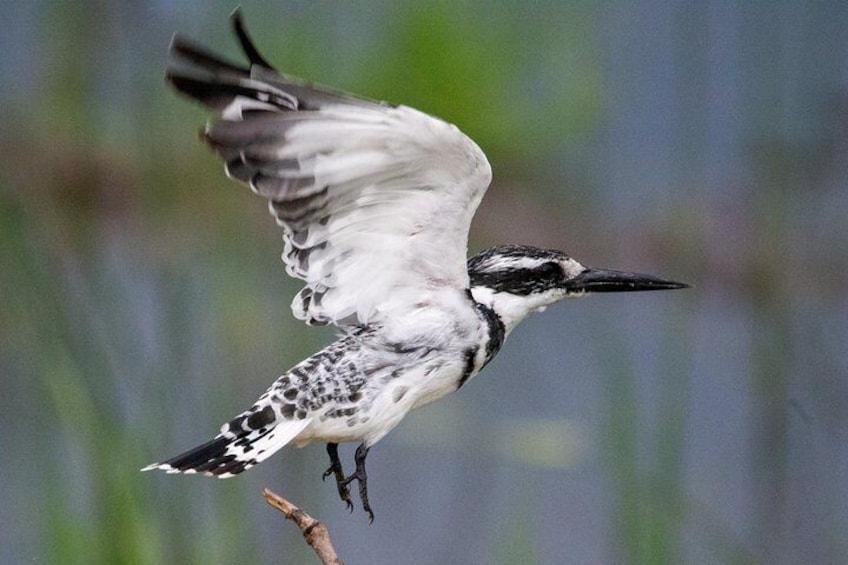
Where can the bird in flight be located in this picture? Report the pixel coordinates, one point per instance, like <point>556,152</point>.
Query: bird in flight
<point>375,202</point>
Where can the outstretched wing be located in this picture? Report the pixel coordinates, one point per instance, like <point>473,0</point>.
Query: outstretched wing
<point>374,200</point>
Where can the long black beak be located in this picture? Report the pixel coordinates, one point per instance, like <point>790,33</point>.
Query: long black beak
<point>604,280</point>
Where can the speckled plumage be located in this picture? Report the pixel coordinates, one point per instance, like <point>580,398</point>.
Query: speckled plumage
<point>375,202</point>
<point>355,389</point>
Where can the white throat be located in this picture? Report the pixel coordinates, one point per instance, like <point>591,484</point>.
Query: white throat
<point>512,308</point>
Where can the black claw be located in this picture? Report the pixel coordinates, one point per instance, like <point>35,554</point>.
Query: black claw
<point>337,471</point>
<point>362,478</point>
<point>343,483</point>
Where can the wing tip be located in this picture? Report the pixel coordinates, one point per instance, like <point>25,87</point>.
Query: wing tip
<point>246,42</point>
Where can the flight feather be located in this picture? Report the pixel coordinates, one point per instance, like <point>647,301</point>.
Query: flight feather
<point>375,200</point>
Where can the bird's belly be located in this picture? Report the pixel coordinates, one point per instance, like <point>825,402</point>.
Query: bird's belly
<point>438,381</point>
<point>369,424</point>
<point>389,402</point>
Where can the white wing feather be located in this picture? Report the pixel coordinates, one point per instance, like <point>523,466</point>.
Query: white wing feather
<point>375,201</point>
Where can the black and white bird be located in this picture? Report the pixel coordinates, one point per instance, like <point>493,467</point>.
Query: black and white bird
<point>375,202</point>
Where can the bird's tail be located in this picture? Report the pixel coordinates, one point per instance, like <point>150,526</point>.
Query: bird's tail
<point>249,438</point>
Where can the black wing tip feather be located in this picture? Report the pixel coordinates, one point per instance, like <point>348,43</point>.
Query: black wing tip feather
<point>214,93</point>
<point>214,81</point>
<point>205,76</point>
<point>199,56</point>
<point>245,41</point>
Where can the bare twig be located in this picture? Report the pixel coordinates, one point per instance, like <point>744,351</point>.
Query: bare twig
<point>314,532</point>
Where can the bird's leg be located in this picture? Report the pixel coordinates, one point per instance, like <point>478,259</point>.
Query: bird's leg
<point>337,471</point>
<point>362,478</point>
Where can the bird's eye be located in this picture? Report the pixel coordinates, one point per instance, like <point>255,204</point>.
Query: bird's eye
<point>551,269</point>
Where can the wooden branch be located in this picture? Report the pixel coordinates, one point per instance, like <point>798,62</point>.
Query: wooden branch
<point>314,532</point>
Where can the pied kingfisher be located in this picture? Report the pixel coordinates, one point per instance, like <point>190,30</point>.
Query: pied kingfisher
<point>375,202</point>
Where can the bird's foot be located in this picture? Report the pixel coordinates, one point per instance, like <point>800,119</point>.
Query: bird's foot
<point>362,479</point>
<point>336,470</point>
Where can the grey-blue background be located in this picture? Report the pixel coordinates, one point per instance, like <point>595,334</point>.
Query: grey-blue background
<point>143,302</point>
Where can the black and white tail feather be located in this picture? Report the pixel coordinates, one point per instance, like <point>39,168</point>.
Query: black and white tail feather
<point>248,439</point>
<point>280,415</point>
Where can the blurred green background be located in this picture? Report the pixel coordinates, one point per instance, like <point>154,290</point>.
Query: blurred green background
<point>144,304</point>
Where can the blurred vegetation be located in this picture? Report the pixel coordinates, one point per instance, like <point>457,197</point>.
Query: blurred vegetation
<point>143,307</point>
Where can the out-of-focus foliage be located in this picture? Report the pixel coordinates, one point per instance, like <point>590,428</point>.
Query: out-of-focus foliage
<point>143,304</point>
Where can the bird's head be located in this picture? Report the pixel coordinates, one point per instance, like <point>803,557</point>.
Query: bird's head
<point>517,280</point>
